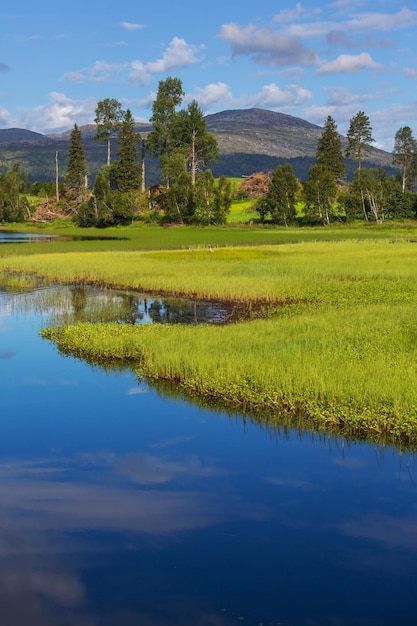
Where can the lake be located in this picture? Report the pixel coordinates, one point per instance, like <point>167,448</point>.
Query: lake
<point>120,506</point>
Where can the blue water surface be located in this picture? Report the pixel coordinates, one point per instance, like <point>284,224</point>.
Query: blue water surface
<point>121,507</point>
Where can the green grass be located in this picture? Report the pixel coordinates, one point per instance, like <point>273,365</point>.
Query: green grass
<point>337,343</point>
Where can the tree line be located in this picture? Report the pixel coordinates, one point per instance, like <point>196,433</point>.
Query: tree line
<point>372,195</point>
<point>190,194</point>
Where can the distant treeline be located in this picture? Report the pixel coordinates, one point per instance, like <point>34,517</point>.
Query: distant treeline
<point>38,162</point>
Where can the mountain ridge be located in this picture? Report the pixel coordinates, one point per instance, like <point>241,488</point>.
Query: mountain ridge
<point>249,140</point>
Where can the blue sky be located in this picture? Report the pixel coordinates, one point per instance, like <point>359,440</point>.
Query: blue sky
<point>306,59</point>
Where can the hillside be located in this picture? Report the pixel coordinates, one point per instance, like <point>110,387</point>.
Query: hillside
<point>249,140</point>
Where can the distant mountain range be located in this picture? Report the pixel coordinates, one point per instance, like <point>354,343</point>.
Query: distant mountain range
<point>250,140</point>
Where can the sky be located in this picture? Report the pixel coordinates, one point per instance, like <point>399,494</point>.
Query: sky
<point>307,59</point>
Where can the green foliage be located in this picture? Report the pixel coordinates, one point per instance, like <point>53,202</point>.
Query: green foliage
<point>329,150</point>
<point>359,137</point>
<point>405,155</point>
<point>280,199</point>
<point>109,116</point>
<point>77,168</point>
<point>14,207</point>
<point>212,198</point>
<point>163,140</point>
<point>200,144</point>
<point>127,167</point>
<point>320,192</point>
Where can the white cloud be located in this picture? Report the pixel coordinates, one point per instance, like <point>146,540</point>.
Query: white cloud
<point>213,94</point>
<point>410,72</point>
<point>271,96</point>
<point>60,113</point>
<point>360,23</point>
<point>346,63</point>
<point>6,119</point>
<point>130,26</point>
<point>267,46</point>
<point>178,54</point>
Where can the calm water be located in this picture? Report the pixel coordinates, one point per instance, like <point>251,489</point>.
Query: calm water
<point>119,507</point>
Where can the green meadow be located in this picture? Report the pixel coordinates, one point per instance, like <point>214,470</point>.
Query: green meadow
<point>329,336</point>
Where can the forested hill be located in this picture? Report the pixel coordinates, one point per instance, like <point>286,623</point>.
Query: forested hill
<point>250,140</point>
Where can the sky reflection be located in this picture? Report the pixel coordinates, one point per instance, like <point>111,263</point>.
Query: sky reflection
<point>121,507</point>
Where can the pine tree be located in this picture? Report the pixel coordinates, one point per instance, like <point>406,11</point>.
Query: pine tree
<point>127,167</point>
<point>329,150</point>
<point>108,118</point>
<point>359,137</point>
<point>77,168</point>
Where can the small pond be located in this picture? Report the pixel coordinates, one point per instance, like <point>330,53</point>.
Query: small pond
<point>120,506</point>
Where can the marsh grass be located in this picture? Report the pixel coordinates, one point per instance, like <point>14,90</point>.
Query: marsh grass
<point>337,342</point>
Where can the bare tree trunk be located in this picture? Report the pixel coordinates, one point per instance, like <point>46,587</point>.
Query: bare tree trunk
<point>143,167</point>
<point>56,177</point>
<point>193,160</point>
<point>108,150</point>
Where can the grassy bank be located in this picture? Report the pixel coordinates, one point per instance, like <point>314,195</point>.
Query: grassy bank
<point>338,344</point>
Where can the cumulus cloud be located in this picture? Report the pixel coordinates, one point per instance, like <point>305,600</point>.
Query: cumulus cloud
<point>213,94</point>
<point>267,46</point>
<point>178,54</point>
<point>410,72</point>
<point>59,113</point>
<point>347,63</point>
<point>130,26</point>
<point>271,96</point>
<point>4,68</point>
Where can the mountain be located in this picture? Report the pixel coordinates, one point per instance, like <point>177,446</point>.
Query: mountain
<point>250,140</point>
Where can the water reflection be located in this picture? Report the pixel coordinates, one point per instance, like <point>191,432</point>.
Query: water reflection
<point>81,303</point>
<point>7,236</point>
<point>121,507</point>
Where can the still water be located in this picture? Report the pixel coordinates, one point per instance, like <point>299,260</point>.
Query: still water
<point>121,507</point>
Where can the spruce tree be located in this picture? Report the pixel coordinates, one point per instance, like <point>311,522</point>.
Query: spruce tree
<point>77,168</point>
<point>329,150</point>
<point>127,167</point>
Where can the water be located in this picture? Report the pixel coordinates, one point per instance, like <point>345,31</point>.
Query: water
<point>7,236</point>
<point>121,507</point>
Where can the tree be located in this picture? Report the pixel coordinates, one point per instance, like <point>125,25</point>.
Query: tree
<point>329,150</point>
<point>367,195</point>
<point>77,168</point>
<point>280,199</point>
<point>13,206</point>
<point>212,198</point>
<point>320,192</point>
<point>201,145</point>
<point>109,116</point>
<point>359,137</point>
<point>165,137</point>
<point>405,155</point>
<point>127,168</point>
